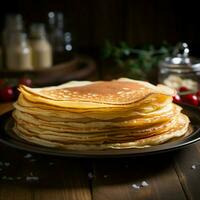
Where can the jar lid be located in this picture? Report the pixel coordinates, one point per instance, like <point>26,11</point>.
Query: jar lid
<point>180,60</point>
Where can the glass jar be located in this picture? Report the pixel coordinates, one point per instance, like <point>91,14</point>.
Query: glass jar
<point>41,48</point>
<point>180,70</point>
<point>18,53</point>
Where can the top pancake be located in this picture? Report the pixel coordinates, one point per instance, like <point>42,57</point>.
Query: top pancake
<point>95,94</point>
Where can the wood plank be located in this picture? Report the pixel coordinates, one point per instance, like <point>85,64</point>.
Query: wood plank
<point>42,177</point>
<point>187,164</point>
<point>119,179</point>
<point>15,192</point>
<point>12,175</point>
<point>69,182</point>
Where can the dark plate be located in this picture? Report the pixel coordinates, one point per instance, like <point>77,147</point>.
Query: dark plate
<point>9,138</point>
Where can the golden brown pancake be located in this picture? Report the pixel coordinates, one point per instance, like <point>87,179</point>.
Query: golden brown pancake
<point>95,95</point>
<point>153,103</point>
<point>179,130</point>
<point>122,113</point>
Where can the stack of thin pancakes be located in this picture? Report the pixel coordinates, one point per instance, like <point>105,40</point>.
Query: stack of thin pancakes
<point>84,115</point>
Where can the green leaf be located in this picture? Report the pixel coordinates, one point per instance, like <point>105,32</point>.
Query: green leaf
<point>137,62</point>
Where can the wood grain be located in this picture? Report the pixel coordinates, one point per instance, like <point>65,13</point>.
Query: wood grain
<point>116,179</point>
<point>187,165</point>
<point>15,192</point>
<point>168,176</point>
<point>66,180</point>
<point>56,178</point>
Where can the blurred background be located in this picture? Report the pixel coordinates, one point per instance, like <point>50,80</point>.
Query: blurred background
<point>136,22</point>
<point>51,42</point>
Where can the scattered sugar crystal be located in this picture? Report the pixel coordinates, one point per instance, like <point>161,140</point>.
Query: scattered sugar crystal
<point>144,184</point>
<point>105,176</point>
<point>28,155</point>
<point>193,167</point>
<point>135,186</point>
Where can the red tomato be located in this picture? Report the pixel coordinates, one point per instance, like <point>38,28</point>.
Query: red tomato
<point>26,81</point>
<point>198,96</point>
<point>7,94</point>
<point>177,99</point>
<point>190,99</point>
<point>183,89</point>
<point>198,93</point>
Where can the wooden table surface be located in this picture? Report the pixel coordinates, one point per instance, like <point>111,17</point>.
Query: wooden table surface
<point>30,176</point>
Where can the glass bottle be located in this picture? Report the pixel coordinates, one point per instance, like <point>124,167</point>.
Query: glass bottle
<point>68,41</point>
<point>180,70</point>
<point>41,48</point>
<point>13,24</point>
<point>18,53</point>
<point>56,31</point>
<point>60,40</point>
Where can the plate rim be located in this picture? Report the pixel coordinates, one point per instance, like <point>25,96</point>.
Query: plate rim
<point>6,139</point>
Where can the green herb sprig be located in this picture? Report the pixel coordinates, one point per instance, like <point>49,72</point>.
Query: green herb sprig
<point>136,62</point>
